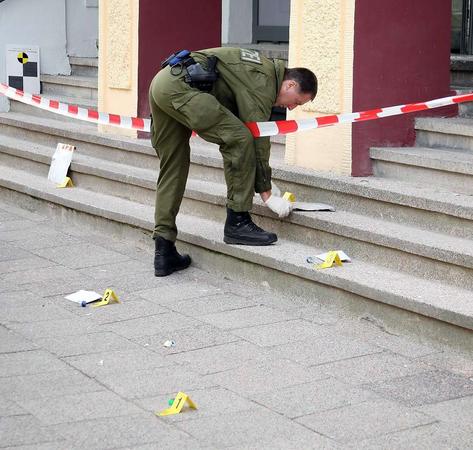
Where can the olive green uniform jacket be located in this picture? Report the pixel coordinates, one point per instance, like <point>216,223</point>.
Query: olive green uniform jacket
<point>245,91</point>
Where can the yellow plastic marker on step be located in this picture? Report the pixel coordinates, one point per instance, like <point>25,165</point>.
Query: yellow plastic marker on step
<point>109,296</point>
<point>66,183</point>
<point>177,405</point>
<point>289,196</point>
<point>331,259</point>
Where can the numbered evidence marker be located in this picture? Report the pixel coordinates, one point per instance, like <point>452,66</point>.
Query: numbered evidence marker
<point>60,163</point>
<point>177,405</point>
<point>331,259</point>
<point>109,296</point>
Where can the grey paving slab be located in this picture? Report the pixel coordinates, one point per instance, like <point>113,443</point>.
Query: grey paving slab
<point>16,211</point>
<point>250,427</point>
<point>433,436</point>
<point>173,293</point>
<point>60,445</point>
<point>364,420</point>
<point>133,283</point>
<point>61,327</point>
<point>10,408</point>
<point>36,313</point>
<point>113,268</point>
<point>149,383</point>
<point>119,432</point>
<point>80,255</point>
<point>451,361</point>
<point>424,388</point>
<point>11,342</point>
<point>24,277</point>
<point>374,331</point>
<point>8,217</point>
<point>22,430</point>
<point>86,344</point>
<point>210,403</point>
<point>14,223</point>
<point>148,326</point>
<point>21,298</point>
<point>219,358</point>
<point>18,235</point>
<point>255,377</point>
<point>281,332</point>
<point>79,407</point>
<point>322,350</point>
<point>212,304</point>
<point>51,288</point>
<point>454,412</point>
<point>312,397</point>
<point>10,253</point>
<point>246,317</point>
<point>31,263</point>
<point>129,308</point>
<point>40,242</point>
<point>64,381</point>
<point>32,361</point>
<point>117,362</point>
<point>372,368</point>
<point>192,338</point>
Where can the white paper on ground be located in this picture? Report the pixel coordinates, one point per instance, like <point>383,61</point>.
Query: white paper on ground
<point>343,256</point>
<point>60,163</point>
<point>83,296</point>
<point>306,206</point>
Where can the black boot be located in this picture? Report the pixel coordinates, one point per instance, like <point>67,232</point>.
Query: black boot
<point>240,229</point>
<point>166,258</point>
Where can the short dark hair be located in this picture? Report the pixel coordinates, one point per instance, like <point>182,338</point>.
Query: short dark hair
<point>305,78</point>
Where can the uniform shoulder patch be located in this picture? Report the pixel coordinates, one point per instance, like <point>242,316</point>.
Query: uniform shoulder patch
<point>250,56</point>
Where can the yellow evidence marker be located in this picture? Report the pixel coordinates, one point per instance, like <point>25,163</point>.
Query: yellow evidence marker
<point>177,405</point>
<point>109,296</point>
<point>290,197</point>
<point>66,183</point>
<point>331,259</point>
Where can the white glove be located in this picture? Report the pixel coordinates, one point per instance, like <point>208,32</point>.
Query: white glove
<point>279,205</point>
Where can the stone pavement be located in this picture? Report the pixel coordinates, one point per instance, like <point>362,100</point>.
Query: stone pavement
<point>266,372</point>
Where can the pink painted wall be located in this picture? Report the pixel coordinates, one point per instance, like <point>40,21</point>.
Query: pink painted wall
<point>401,55</point>
<point>167,26</point>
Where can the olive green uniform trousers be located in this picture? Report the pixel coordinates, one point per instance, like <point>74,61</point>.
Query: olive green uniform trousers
<point>177,109</point>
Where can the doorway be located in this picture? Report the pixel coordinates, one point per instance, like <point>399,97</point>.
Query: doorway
<point>271,20</point>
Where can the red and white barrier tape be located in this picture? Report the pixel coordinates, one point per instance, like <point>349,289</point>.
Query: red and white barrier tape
<point>258,129</point>
<point>76,112</point>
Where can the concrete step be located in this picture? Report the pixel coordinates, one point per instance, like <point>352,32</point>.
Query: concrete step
<point>440,132</point>
<point>88,67</point>
<point>447,168</point>
<point>23,108</point>
<point>427,307</point>
<point>464,109</point>
<point>399,247</point>
<point>423,207</point>
<point>69,86</point>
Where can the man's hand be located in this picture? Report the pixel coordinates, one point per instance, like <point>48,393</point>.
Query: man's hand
<point>279,205</point>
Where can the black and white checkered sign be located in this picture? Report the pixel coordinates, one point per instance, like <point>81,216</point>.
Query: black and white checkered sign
<point>23,68</point>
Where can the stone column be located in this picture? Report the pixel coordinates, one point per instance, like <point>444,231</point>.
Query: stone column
<point>118,60</point>
<point>321,39</point>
